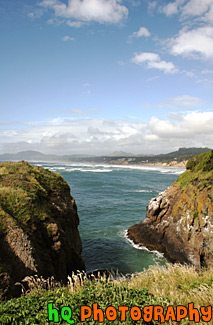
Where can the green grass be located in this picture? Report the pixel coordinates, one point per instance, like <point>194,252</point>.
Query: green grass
<point>24,194</point>
<point>178,283</point>
<point>171,285</point>
<point>199,172</point>
<point>32,308</point>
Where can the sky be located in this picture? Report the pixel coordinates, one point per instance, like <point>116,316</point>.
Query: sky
<point>98,76</point>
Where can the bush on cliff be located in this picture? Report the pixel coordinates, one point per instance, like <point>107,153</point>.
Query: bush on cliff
<point>24,194</point>
<point>199,172</point>
<point>203,162</point>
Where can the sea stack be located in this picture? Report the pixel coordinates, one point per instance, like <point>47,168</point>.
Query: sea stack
<point>38,226</point>
<point>179,221</point>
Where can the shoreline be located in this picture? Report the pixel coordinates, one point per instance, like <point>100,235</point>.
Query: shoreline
<point>172,164</point>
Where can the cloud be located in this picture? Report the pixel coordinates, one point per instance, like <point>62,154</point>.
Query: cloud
<point>102,11</point>
<point>10,123</point>
<point>196,43</point>
<point>68,38</point>
<point>192,127</point>
<point>73,111</point>
<point>152,6</point>
<point>199,8</point>
<point>153,78</point>
<point>75,24</point>
<point>101,136</point>
<point>170,9</point>
<point>55,21</point>
<point>37,13</point>
<point>93,108</point>
<point>143,31</point>
<point>184,101</point>
<point>153,61</point>
<point>207,71</point>
<point>192,8</point>
<point>76,111</point>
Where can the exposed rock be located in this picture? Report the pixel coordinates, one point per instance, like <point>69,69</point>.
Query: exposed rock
<point>179,221</point>
<point>38,226</point>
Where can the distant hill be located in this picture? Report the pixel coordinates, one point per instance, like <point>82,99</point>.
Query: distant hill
<point>27,155</point>
<point>120,154</point>
<point>116,157</point>
<point>183,153</point>
<point>31,155</point>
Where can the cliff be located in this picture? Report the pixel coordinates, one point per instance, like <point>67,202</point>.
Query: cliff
<point>38,226</point>
<point>179,221</point>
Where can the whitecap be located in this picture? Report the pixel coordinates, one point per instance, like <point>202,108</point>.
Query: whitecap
<point>141,247</point>
<point>109,167</point>
<point>146,191</point>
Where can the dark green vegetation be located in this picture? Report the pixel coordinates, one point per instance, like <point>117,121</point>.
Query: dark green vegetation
<point>202,163</point>
<point>174,284</point>
<point>180,155</point>
<point>199,172</point>
<point>24,194</point>
<point>32,308</point>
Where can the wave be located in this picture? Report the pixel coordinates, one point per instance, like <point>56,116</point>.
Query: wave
<point>102,168</point>
<point>139,246</point>
<point>96,170</point>
<point>80,169</point>
<point>145,191</point>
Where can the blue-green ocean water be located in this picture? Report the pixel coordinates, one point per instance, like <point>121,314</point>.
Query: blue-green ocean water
<point>110,199</point>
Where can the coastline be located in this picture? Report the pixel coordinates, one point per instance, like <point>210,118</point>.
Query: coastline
<point>172,164</point>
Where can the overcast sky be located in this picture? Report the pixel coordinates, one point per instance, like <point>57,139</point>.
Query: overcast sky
<point>97,76</point>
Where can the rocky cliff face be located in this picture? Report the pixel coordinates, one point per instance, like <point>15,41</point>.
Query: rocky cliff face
<point>38,226</point>
<point>179,221</point>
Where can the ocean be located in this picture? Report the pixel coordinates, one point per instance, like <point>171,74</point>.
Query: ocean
<point>110,199</point>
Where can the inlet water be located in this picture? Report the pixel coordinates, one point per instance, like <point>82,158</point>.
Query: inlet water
<point>110,199</point>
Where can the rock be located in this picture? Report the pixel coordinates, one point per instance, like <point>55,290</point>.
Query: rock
<point>38,227</point>
<point>179,221</point>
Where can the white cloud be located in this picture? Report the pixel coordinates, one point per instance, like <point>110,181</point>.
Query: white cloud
<point>191,8</point>
<point>196,43</point>
<point>100,136</point>
<point>197,7</point>
<point>37,13</point>
<point>55,21</point>
<point>153,78</point>
<point>76,111</point>
<point>184,101</point>
<point>75,24</point>
<point>152,6</point>
<point>143,31</point>
<point>207,71</point>
<point>170,9</point>
<point>192,127</point>
<point>68,38</point>
<point>102,11</point>
<point>153,61</point>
